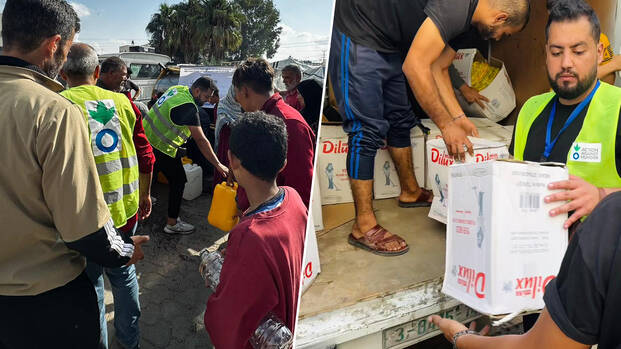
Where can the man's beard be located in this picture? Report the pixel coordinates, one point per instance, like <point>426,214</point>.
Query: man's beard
<point>198,102</point>
<point>52,67</point>
<point>581,87</point>
<point>487,32</point>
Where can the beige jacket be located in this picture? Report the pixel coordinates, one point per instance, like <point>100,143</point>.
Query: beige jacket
<point>49,189</point>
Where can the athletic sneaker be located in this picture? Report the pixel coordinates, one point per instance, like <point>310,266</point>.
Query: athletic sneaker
<point>180,228</point>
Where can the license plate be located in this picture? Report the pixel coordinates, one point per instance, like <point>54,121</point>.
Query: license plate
<point>410,331</point>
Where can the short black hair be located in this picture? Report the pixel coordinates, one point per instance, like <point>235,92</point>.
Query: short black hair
<point>112,64</point>
<point>518,11</point>
<point>259,141</point>
<point>255,73</point>
<point>204,83</point>
<point>571,10</point>
<point>26,23</point>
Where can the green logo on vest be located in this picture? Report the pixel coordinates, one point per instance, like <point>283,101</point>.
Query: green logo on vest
<point>586,152</point>
<point>102,114</point>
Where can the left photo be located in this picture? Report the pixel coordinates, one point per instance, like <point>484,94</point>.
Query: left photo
<point>161,163</point>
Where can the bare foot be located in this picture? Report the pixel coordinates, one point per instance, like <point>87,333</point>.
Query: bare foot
<point>413,196</point>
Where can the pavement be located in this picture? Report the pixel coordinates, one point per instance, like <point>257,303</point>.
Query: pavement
<point>172,292</point>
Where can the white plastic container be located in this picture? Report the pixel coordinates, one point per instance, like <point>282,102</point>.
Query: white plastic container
<point>194,185</point>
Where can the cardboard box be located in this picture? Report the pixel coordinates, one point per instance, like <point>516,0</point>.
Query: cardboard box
<point>439,160</point>
<point>496,134</point>
<point>316,206</point>
<point>483,122</point>
<point>502,246</point>
<point>311,267</point>
<point>499,91</point>
<point>385,178</point>
<point>331,166</point>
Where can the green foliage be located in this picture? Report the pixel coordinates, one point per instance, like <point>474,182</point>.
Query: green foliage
<point>197,31</point>
<point>260,30</point>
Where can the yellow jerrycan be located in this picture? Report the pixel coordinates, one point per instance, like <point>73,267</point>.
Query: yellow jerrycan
<point>223,210</point>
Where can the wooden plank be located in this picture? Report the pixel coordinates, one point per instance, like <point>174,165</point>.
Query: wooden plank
<point>349,274</point>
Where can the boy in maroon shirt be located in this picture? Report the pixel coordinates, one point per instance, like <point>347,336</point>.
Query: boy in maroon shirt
<point>262,266</point>
<point>253,83</point>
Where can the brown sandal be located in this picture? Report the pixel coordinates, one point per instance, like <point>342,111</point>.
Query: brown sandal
<point>422,201</point>
<point>375,241</point>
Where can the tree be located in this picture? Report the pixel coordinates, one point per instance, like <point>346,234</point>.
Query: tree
<point>189,31</point>
<point>259,29</point>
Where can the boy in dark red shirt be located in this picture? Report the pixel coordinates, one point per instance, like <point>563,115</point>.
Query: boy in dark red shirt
<point>262,267</point>
<point>253,83</point>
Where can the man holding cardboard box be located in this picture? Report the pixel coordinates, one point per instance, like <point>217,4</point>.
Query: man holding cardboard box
<point>582,303</point>
<point>578,123</point>
<point>374,44</point>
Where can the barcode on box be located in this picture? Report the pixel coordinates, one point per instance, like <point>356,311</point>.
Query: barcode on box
<point>529,201</point>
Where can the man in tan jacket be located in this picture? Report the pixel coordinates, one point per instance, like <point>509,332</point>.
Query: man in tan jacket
<point>52,210</point>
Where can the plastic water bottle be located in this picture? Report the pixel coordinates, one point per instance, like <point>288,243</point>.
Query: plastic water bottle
<point>210,268</point>
<point>272,332</point>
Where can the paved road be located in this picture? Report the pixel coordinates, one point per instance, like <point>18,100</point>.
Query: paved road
<point>172,293</point>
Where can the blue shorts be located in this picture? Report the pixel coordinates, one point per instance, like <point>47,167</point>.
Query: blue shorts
<point>371,91</point>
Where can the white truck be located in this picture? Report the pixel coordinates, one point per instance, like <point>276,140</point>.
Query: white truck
<point>360,300</point>
<point>364,301</point>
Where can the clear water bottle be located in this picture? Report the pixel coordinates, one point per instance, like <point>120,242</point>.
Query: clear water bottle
<point>210,268</point>
<point>272,332</point>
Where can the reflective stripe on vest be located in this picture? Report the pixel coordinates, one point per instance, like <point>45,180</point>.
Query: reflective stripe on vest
<point>597,137</point>
<point>163,134</point>
<point>111,119</point>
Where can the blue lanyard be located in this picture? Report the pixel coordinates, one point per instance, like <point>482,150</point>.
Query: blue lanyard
<point>549,142</point>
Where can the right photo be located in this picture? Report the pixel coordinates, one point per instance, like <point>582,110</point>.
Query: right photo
<point>466,179</point>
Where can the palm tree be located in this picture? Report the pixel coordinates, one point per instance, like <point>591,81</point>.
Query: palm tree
<point>190,30</point>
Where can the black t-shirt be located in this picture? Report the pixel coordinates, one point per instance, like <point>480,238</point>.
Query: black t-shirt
<point>391,25</point>
<point>536,141</point>
<point>185,115</point>
<point>585,298</point>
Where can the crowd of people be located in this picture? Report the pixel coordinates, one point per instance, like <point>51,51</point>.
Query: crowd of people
<point>82,163</point>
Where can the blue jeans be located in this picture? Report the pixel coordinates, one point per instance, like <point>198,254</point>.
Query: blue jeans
<point>126,303</point>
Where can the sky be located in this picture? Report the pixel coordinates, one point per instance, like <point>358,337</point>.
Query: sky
<point>108,24</point>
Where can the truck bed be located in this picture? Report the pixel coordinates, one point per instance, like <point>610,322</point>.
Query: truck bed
<point>357,292</point>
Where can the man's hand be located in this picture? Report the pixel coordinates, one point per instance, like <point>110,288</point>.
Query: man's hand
<point>580,195</point>
<point>138,254</point>
<point>138,92</point>
<point>144,207</point>
<point>467,126</point>
<point>223,170</point>
<point>472,95</point>
<point>450,327</point>
<point>455,139</point>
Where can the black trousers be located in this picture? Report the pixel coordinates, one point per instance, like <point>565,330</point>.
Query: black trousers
<point>175,174</point>
<point>65,317</point>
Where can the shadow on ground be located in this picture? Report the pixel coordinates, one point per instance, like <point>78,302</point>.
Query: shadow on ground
<point>172,292</point>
